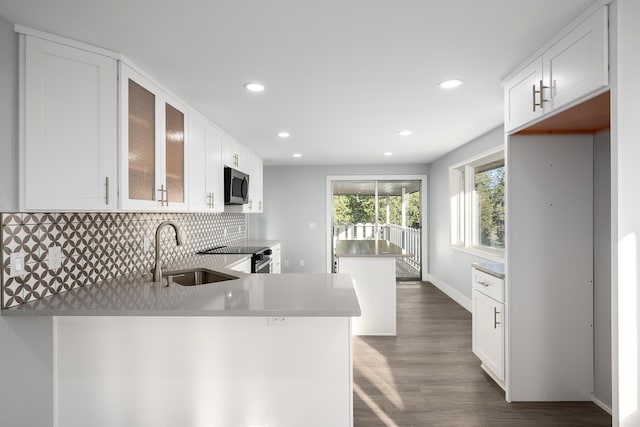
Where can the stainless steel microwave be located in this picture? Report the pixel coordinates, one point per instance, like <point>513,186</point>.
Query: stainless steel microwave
<point>236,187</point>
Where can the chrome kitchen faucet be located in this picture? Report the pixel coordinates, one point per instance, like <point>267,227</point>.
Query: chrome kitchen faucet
<point>157,270</point>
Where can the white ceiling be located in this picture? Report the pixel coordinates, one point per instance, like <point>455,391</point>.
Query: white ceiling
<point>342,76</point>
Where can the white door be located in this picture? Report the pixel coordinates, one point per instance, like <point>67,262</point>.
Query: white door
<point>255,170</point>
<point>214,169</point>
<point>488,332</point>
<point>154,146</point>
<point>519,96</point>
<point>578,64</point>
<point>199,199</point>
<point>70,141</point>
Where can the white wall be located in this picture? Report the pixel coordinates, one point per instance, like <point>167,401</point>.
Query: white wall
<point>447,266</point>
<point>626,214</point>
<point>602,268</point>
<point>26,346</point>
<point>295,197</point>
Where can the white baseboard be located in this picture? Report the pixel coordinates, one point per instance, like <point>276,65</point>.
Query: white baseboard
<point>602,405</point>
<point>451,292</point>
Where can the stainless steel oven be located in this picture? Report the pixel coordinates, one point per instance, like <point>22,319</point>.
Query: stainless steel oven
<point>263,266</point>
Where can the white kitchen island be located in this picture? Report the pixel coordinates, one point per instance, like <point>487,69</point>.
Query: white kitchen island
<point>259,350</point>
<point>372,265</point>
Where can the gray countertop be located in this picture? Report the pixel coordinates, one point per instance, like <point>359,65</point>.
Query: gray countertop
<point>315,295</point>
<point>369,248</point>
<point>493,268</point>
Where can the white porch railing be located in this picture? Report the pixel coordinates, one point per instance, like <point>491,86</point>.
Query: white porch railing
<point>407,238</point>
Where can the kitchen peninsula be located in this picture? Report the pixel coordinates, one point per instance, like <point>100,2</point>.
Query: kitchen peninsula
<point>372,264</point>
<point>254,350</point>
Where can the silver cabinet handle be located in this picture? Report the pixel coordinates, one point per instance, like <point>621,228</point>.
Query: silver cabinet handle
<point>483,283</point>
<point>495,318</point>
<point>164,199</point>
<point>541,92</point>
<point>106,191</point>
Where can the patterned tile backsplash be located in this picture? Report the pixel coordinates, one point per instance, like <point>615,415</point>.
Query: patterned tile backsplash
<point>100,246</point>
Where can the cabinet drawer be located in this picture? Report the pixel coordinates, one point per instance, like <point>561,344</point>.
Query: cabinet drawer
<point>489,285</point>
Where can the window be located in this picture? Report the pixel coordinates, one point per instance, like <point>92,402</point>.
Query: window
<point>477,195</point>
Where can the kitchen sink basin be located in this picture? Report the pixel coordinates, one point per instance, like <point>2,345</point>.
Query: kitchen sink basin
<point>198,276</point>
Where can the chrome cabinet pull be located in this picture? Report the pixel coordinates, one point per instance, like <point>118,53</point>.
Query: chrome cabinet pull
<point>106,191</point>
<point>541,92</point>
<point>483,283</point>
<point>164,199</point>
<point>495,318</point>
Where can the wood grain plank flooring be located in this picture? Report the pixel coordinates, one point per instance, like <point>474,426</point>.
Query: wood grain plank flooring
<point>428,376</point>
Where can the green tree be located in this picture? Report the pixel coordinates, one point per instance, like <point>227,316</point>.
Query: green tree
<point>489,188</point>
<point>353,209</point>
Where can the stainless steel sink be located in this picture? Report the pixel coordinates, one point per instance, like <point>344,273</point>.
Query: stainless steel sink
<point>199,276</point>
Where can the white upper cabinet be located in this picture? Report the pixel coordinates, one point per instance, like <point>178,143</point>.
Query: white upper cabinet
<point>69,128</point>
<point>517,91</point>
<point>578,64</point>
<point>573,68</point>
<point>153,154</point>
<point>235,155</point>
<point>96,134</point>
<point>255,168</point>
<point>206,174</point>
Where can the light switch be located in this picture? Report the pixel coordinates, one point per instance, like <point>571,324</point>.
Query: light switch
<point>312,226</point>
<point>17,264</point>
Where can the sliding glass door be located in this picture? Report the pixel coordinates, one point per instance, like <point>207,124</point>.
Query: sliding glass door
<point>380,209</point>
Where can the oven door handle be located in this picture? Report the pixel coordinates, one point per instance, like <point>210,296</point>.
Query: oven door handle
<point>266,261</point>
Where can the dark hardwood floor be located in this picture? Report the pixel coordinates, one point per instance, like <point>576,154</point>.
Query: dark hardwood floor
<point>428,376</point>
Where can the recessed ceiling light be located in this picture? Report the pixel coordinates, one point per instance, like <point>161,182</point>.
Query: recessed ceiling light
<point>388,153</point>
<point>254,87</point>
<point>297,155</point>
<point>405,133</point>
<point>283,134</point>
<point>450,84</point>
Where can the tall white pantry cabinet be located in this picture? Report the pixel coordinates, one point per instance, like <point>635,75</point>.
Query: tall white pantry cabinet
<point>549,256</point>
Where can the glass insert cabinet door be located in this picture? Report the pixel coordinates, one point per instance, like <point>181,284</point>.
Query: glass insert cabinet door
<point>154,140</point>
<point>142,143</point>
<point>174,136</point>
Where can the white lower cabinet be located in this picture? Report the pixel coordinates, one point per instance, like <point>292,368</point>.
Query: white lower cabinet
<point>243,267</point>
<point>488,324</point>
<point>276,267</point>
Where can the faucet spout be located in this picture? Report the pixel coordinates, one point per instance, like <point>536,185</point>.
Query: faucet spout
<point>157,269</point>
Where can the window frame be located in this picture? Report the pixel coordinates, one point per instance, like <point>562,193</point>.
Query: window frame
<point>464,227</point>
